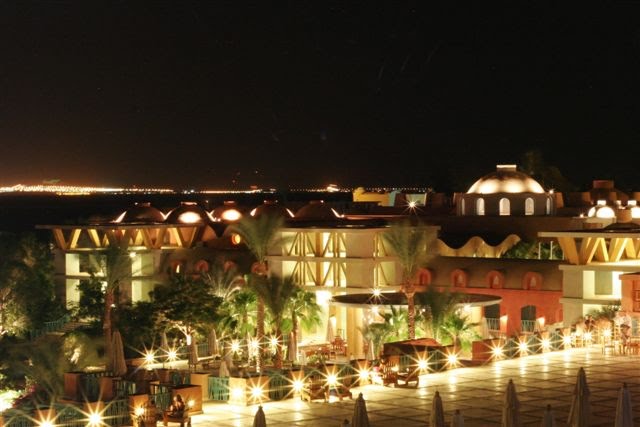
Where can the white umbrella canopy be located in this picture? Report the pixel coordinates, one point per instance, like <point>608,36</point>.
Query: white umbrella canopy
<point>511,407</point>
<point>624,409</point>
<point>436,418</point>
<point>331,335</point>
<point>360,417</point>
<point>259,420</point>
<point>580,411</point>
<point>224,369</point>
<point>292,348</point>
<point>457,420</point>
<point>117,362</point>
<point>213,343</point>
<point>548,419</point>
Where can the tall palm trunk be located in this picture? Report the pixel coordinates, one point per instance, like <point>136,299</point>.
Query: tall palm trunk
<point>260,334</point>
<point>294,325</point>
<point>261,270</point>
<point>106,325</point>
<point>278,362</point>
<point>409,292</point>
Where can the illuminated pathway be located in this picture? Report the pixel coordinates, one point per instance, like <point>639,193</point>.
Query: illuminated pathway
<point>477,392</point>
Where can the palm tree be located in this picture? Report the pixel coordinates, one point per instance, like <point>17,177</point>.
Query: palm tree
<point>376,333</point>
<point>238,313</point>
<point>411,246</point>
<point>304,310</point>
<point>275,292</point>
<point>397,320</point>
<point>436,306</point>
<point>223,280</point>
<point>259,234</point>
<point>111,267</point>
<point>460,328</point>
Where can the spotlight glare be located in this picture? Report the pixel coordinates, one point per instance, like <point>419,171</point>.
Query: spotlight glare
<point>298,385</point>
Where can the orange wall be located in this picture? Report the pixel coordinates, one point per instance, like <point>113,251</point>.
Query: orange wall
<point>547,304</point>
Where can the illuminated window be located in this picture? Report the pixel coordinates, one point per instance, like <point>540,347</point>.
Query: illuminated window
<point>178,267</point>
<point>462,206</point>
<point>532,280</point>
<point>529,206</point>
<point>548,206</point>
<point>459,278</point>
<point>201,266</point>
<point>505,206</point>
<point>495,279</point>
<point>424,277</point>
<point>480,206</point>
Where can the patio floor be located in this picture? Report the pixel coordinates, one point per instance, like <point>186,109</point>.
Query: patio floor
<point>477,392</point>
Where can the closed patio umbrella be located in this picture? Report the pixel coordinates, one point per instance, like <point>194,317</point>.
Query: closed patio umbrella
<point>360,417</point>
<point>117,362</point>
<point>510,407</point>
<point>259,420</point>
<point>213,343</point>
<point>193,352</point>
<point>580,411</point>
<point>548,419</point>
<point>164,342</point>
<point>228,358</point>
<point>457,420</point>
<point>371,353</point>
<point>224,369</point>
<point>436,419</point>
<point>164,347</point>
<point>624,410</point>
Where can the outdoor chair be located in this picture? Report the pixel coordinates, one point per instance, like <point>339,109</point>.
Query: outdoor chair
<point>389,374</point>
<point>314,388</point>
<point>409,376</point>
<point>338,347</point>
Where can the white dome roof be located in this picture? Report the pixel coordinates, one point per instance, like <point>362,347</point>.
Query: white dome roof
<point>506,179</point>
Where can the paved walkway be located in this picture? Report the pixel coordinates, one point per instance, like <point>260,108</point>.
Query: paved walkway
<point>477,392</point>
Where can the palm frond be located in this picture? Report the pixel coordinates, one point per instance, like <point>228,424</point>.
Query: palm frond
<point>259,234</point>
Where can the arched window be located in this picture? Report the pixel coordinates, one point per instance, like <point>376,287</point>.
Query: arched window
<point>178,267</point>
<point>495,279</point>
<point>461,206</point>
<point>201,266</point>
<point>480,206</point>
<point>459,278</point>
<point>529,206</point>
<point>505,206</point>
<point>424,277</point>
<point>548,207</point>
<point>532,280</point>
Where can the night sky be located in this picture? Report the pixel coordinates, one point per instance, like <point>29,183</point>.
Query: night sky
<point>219,94</point>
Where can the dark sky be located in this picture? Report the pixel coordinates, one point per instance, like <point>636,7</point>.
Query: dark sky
<point>200,94</point>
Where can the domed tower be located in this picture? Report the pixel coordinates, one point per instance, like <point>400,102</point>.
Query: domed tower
<point>506,192</point>
<point>140,213</point>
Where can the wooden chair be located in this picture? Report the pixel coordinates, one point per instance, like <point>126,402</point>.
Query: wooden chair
<point>410,375</point>
<point>338,347</point>
<point>343,387</point>
<point>389,374</point>
<point>314,388</point>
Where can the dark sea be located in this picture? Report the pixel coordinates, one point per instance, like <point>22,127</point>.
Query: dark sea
<point>21,212</point>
